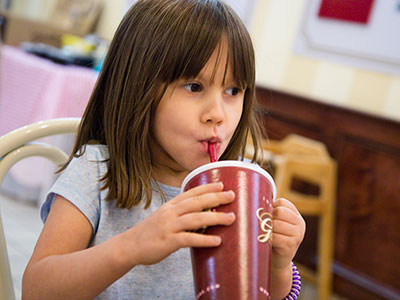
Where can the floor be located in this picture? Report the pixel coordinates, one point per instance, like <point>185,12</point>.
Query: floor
<point>22,227</point>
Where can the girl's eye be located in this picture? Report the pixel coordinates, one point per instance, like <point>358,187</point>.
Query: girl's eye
<point>193,87</point>
<point>233,91</point>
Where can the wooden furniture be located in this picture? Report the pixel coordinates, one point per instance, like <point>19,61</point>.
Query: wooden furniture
<point>15,146</point>
<point>299,159</point>
<point>67,17</point>
<point>367,151</point>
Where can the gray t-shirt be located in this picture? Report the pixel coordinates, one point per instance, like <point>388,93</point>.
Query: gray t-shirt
<point>79,183</point>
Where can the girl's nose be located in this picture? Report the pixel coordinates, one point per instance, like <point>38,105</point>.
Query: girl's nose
<point>214,110</point>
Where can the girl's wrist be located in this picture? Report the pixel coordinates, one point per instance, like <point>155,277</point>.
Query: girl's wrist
<point>125,250</point>
<point>296,284</point>
<point>281,279</point>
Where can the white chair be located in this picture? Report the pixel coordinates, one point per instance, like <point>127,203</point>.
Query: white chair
<point>15,146</point>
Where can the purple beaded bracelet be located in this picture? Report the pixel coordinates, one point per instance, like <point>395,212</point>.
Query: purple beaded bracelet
<point>296,284</point>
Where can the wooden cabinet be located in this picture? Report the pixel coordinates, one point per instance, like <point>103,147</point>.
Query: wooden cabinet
<point>367,150</point>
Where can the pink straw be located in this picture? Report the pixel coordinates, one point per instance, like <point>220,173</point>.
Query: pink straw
<point>212,151</point>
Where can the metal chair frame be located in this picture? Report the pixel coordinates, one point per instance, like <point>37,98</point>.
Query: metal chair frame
<point>16,146</point>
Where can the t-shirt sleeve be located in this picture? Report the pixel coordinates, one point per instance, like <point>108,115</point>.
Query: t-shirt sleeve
<point>79,184</point>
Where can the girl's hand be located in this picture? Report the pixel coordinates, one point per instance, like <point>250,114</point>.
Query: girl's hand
<point>168,228</point>
<point>288,230</point>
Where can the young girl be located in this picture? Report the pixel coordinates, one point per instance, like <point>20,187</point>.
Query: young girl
<point>179,74</point>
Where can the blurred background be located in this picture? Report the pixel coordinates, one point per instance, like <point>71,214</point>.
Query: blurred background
<point>328,87</point>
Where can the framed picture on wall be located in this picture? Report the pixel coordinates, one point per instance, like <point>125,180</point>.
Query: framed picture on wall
<point>362,33</point>
<point>357,11</point>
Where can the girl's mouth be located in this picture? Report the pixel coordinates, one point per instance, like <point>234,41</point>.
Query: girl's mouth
<point>216,143</point>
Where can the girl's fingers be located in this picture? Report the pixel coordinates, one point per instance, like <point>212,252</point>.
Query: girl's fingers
<point>284,228</point>
<point>294,232</point>
<point>200,202</point>
<point>282,202</point>
<point>197,191</point>
<point>285,214</point>
<point>284,248</point>
<point>194,221</point>
<point>192,239</point>
<point>283,244</point>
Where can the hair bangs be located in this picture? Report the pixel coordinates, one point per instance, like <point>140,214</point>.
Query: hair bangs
<point>203,34</point>
<point>195,31</point>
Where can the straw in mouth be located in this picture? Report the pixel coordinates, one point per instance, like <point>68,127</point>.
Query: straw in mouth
<point>212,152</point>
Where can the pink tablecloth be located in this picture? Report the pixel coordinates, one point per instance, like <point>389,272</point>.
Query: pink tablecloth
<point>34,89</point>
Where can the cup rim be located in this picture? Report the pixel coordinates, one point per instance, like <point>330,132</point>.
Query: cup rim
<point>231,163</point>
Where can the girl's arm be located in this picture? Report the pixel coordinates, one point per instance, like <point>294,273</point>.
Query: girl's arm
<point>288,232</point>
<point>62,267</point>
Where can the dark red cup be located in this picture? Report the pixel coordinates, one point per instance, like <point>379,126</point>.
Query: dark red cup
<point>240,267</point>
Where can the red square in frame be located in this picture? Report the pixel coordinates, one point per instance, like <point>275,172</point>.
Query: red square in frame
<point>347,10</point>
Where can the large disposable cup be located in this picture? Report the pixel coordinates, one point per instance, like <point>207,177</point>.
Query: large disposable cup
<point>240,267</point>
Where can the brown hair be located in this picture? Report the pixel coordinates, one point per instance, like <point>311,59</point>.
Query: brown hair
<point>158,42</point>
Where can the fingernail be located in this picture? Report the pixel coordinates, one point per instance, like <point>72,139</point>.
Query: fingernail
<point>217,184</point>
<point>229,193</point>
<point>231,215</point>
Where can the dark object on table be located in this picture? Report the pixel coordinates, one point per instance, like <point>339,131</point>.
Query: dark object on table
<point>57,55</point>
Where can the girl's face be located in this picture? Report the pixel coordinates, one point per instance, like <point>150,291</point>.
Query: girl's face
<point>193,112</point>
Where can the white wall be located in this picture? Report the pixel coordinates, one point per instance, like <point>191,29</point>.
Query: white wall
<point>244,8</point>
<point>114,10</point>
<point>35,9</point>
<point>274,26</point>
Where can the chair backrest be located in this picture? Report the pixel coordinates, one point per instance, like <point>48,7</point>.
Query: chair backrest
<point>15,146</point>
<point>307,161</point>
<point>296,145</point>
